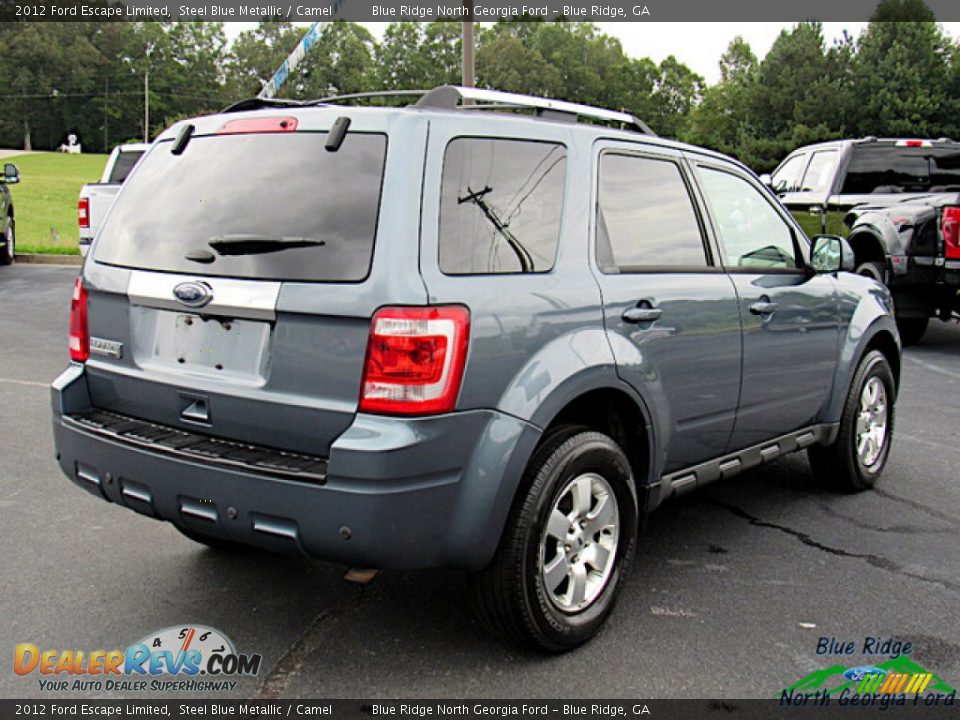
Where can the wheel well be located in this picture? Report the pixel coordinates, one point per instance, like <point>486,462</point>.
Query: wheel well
<point>866,248</point>
<point>884,342</point>
<point>613,413</point>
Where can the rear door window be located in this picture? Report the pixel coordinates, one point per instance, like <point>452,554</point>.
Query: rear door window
<point>645,216</point>
<point>501,203</point>
<point>273,206</point>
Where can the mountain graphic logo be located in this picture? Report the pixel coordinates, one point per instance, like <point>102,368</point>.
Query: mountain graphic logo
<point>897,675</point>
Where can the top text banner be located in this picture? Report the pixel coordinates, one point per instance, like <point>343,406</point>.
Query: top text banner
<point>483,10</point>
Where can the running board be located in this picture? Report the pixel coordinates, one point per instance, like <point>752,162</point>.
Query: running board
<point>679,483</point>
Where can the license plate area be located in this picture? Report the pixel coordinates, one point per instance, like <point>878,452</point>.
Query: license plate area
<point>180,342</point>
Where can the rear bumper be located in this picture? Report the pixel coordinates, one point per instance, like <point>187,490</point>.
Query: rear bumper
<point>399,493</point>
<point>926,286</point>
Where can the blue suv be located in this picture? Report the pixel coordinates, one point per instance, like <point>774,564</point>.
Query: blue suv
<point>471,332</point>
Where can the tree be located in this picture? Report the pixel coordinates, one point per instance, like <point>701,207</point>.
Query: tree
<point>46,68</point>
<point>415,56</point>
<point>257,54</point>
<point>341,62</point>
<point>902,74</point>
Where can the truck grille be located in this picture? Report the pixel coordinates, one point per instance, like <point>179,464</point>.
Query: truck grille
<point>196,447</point>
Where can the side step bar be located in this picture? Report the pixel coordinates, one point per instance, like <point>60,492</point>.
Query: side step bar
<point>679,483</point>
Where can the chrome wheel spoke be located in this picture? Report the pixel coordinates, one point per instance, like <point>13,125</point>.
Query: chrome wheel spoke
<point>597,556</point>
<point>578,584</point>
<point>556,572</point>
<point>602,516</point>
<point>557,525</point>
<point>582,496</point>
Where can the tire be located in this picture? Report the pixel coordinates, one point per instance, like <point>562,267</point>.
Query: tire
<point>872,269</point>
<point>226,546</point>
<point>912,329</point>
<point>9,249</point>
<point>513,595</point>
<point>853,463</point>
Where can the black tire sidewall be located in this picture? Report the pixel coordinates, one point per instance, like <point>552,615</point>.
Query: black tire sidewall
<point>874,270</point>
<point>582,453</point>
<point>874,365</point>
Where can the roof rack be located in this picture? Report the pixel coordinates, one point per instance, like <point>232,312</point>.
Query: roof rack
<point>365,95</point>
<point>451,97</point>
<point>454,97</point>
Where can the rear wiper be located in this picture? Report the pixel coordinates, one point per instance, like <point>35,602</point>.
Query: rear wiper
<point>258,244</point>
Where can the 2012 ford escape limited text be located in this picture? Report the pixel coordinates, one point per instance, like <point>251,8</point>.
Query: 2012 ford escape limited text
<point>452,334</point>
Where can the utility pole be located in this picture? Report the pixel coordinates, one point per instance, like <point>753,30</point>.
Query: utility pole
<point>106,102</point>
<point>146,102</point>
<point>467,45</point>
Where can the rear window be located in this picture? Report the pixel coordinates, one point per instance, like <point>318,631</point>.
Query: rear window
<point>123,165</point>
<point>887,168</point>
<point>500,206</point>
<point>273,206</point>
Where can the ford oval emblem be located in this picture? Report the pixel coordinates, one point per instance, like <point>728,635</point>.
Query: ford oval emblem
<point>193,294</point>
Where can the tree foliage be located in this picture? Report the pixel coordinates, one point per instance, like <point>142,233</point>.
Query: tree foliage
<point>901,77</point>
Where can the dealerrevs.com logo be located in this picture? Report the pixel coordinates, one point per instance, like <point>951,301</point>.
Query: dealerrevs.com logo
<point>181,658</point>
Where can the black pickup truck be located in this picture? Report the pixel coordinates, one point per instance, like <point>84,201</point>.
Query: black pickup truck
<point>898,203</point>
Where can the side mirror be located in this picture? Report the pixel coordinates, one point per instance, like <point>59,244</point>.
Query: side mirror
<point>831,253</point>
<point>11,176</point>
<point>767,180</point>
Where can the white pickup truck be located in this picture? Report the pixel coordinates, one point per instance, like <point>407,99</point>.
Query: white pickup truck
<point>96,198</point>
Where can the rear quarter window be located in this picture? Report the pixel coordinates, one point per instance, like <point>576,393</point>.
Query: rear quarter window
<point>500,206</point>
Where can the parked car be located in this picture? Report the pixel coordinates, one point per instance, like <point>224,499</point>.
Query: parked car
<point>96,198</point>
<point>8,225</point>
<point>898,202</point>
<point>454,336</point>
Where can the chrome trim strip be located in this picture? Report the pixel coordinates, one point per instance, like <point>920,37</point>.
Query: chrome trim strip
<point>273,528</point>
<point>141,495</point>
<point>255,299</point>
<point>197,510</point>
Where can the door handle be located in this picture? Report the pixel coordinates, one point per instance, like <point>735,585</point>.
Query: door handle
<point>763,307</point>
<point>641,314</point>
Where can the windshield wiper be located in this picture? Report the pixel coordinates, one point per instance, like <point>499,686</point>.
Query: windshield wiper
<point>258,244</point>
<point>503,229</point>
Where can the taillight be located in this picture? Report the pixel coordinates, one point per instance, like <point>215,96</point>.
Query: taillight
<point>950,226</point>
<point>415,360</point>
<point>83,212</point>
<point>79,334</point>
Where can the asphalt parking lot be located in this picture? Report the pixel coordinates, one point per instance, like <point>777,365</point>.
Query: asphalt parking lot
<point>731,590</point>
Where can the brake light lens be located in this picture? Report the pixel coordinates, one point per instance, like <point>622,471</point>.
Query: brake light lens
<point>79,334</point>
<point>950,226</point>
<point>258,125</point>
<point>415,360</point>
<point>83,212</point>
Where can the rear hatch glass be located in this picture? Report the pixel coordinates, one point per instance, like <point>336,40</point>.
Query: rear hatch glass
<point>884,167</point>
<point>124,164</point>
<point>271,206</point>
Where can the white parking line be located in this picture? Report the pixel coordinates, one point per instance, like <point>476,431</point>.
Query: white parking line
<point>934,368</point>
<point>25,383</point>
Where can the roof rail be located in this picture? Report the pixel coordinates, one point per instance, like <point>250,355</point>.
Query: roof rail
<point>366,95</point>
<point>450,97</point>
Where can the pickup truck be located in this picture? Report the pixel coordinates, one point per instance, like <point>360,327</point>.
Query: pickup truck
<point>898,203</point>
<point>96,198</point>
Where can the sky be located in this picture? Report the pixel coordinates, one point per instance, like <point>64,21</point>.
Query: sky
<point>698,45</point>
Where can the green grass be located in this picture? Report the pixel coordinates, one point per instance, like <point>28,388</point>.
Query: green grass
<point>46,199</point>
